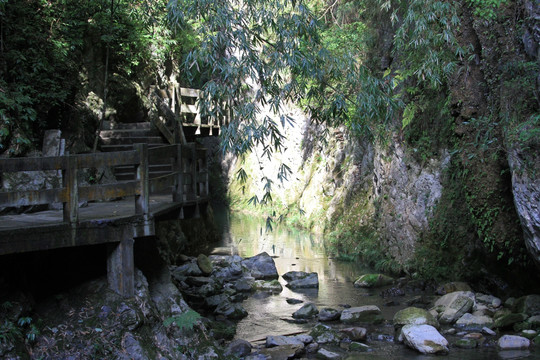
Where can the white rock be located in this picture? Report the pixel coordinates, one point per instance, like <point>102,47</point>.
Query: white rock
<point>513,342</point>
<point>425,339</point>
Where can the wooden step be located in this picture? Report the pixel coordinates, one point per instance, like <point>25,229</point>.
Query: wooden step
<point>107,125</point>
<point>123,147</point>
<point>132,140</point>
<point>110,134</point>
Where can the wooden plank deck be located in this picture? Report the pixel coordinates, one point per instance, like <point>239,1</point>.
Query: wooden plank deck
<point>116,223</point>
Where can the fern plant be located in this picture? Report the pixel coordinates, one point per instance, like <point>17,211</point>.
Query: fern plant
<point>186,320</point>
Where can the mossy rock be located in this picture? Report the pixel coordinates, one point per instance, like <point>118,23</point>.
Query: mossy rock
<point>204,264</point>
<point>373,281</point>
<point>529,305</point>
<point>414,316</point>
<point>466,343</point>
<point>508,320</point>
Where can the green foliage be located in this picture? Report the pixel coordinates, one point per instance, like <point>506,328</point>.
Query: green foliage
<point>186,320</point>
<point>486,9</point>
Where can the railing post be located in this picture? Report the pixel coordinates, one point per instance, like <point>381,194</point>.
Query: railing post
<point>142,201</point>
<point>69,181</point>
<point>178,167</point>
<point>194,180</point>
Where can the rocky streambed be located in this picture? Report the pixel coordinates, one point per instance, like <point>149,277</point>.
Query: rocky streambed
<point>191,311</point>
<point>453,320</point>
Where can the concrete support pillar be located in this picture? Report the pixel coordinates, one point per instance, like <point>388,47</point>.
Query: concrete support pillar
<point>121,267</point>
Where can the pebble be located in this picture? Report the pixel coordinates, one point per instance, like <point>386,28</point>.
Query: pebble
<point>488,331</point>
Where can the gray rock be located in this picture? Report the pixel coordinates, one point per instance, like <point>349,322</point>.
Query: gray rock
<point>239,348</point>
<point>312,348</point>
<point>307,311</point>
<point>513,342</point>
<point>362,314</point>
<point>488,331</point>
<point>294,301</point>
<point>204,264</point>
<point>244,285</point>
<point>414,316</point>
<point>453,287</point>
<point>185,270</point>
<point>529,305</point>
<point>524,165</point>
<point>231,311</point>
<point>213,301</point>
<point>129,318</point>
<point>471,322</point>
<point>323,334</point>
<point>132,348</point>
<point>283,352</point>
<point>261,266</point>
<point>452,306</point>
<point>280,340</point>
<point>425,339</point>
<point>373,281</point>
<point>329,314</point>
<point>354,333</point>
<point>327,354</point>
<point>301,279</point>
<point>272,286</point>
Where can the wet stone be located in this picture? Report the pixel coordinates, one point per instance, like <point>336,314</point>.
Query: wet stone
<point>466,343</point>
<point>329,314</point>
<point>307,311</point>
<point>354,333</point>
<point>239,348</point>
<point>294,301</point>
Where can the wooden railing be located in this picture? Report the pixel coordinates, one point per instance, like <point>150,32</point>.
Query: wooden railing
<point>188,181</point>
<point>179,108</point>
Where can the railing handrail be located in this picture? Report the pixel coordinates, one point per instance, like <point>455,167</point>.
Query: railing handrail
<point>70,193</point>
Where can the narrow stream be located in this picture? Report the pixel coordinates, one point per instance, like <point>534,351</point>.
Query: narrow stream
<point>292,249</point>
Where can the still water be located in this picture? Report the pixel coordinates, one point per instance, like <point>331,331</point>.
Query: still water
<point>292,249</point>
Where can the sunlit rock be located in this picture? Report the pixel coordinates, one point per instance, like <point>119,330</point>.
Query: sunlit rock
<point>452,306</point>
<point>261,266</point>
<point>414,316</point>
<point>425,339</point>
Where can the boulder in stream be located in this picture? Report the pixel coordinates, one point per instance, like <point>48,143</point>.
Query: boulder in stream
<point>414,316</point>
<point>451,307</point>
<point>307,311</point>
<point>513,342</point>
<point>301,279</point>
<point>470,322</point>
<point>424,338</point>
<point>329,314</point>
<point>529,305</point>
<point>204,264</point>
<point>362,314</point>
<point>261,266</point>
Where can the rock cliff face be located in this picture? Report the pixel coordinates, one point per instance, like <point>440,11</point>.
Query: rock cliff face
<point>526,188</point>
<point>391,192</point>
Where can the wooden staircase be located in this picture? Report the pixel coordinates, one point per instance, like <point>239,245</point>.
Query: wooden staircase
<point>122,136</point>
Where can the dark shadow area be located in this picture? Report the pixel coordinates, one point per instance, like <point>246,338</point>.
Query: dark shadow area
<point>45,273</point>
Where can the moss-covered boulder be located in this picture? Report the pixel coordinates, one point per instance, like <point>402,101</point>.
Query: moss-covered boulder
<point>362,314</point>
<point>414,316</point>
<point>204,263</point>
<point>373,281</point>
<point>509,320</point>
<point>529,305</point>
<point>323,334</point>
<point>453,287</point>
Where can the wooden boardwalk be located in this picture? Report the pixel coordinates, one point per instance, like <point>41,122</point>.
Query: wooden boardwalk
<point>118,223</point>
